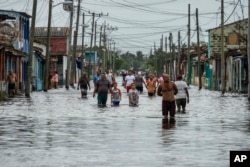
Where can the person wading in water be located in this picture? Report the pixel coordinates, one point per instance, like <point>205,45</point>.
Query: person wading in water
<point>102,88</point>
<point>116,95</point>
<point>167,90</point>
<point>84,84</point>
<point>11,79</point>
<point>182,98</point>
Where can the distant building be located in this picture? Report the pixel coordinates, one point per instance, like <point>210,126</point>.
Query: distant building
<point>58,51</point>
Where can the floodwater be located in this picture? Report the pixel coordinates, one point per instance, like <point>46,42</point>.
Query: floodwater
<point>59,129</point>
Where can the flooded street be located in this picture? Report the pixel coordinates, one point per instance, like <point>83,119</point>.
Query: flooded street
<point>59,129</point>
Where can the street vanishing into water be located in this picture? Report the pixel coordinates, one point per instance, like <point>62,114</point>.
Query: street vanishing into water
<point>58,128</point>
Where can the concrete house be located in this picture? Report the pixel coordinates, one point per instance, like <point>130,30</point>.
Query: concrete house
<point>235,48</point>
<point>14,46</point>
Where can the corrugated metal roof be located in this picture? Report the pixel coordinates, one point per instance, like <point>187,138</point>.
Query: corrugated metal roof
<point>235,22</point>
<point>54,32</point>
<point>13,11</point>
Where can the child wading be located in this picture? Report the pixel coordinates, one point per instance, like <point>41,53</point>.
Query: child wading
<point>55,79</point>
<point>151,87</point>
<point>133,96</point>
<point>116,95</point>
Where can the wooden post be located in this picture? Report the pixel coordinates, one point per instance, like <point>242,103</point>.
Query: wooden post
<point>91,43</point>
<point>47,62</point>
<point>223,71</point>
<point>69,51</point>
<point>32,32</point>
<point>83,31</point>
<point>188,51</point>
<point>179,54</point>
<point>73,62</point>
<point>198,51</point>
<point>248,50</point>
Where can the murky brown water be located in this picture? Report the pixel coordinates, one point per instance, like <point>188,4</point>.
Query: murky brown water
<point>58,129</point>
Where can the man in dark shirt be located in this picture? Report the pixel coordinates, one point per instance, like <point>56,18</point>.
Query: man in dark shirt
<point>84,85</point>
<point>139,81</point>
<point>102,88</point>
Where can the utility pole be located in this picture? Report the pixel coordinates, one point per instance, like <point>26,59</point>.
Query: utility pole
<point>248,50</point>
<point>100,40</point>
<point>47,62</point>
<point>171,55</point>
<point>91,43</point>
<point>73,62</point>
<point>155,59</point>
<point>198,49</point>
<point>179,53</point>
<point>32,31</point>
<point>105,45</point>
<point>113,67</point>
<point>83,30</point>
<point>109,53</point>
<point>95,58</point>
<point>188,50</point>
<point>107,57</point>
<point>101,49</point>
<point>161,63</point>
<point>174,62</point>
<point>166,50</point>
<point>69,50</point>
<point>95,33</point>
<point>223,71</point>
<point>161,47</point>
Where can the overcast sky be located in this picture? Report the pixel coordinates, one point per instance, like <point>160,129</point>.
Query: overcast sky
<point>140,23</point>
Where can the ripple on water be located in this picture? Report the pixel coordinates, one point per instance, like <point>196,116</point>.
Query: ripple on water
<point>58,128</point>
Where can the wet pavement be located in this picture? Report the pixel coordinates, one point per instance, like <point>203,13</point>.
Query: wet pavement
<point>59,129</point>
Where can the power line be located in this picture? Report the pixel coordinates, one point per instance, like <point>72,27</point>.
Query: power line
<point>232,12</point>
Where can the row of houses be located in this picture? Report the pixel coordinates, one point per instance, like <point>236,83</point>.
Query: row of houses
<point>235,52</point>
<point>14,50</point>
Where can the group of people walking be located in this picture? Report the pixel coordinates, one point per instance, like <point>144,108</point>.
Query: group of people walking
<point>174,94</point>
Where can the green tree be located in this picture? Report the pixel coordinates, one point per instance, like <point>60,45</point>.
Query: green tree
<point>139,56</point>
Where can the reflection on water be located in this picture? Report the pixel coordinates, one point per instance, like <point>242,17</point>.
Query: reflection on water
<point>60,129</point>
<point>168,126</point>
<point>168,123</point>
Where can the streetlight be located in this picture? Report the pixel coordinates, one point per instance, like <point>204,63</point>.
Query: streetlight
<point>70,9</point>
<point>66,5</point>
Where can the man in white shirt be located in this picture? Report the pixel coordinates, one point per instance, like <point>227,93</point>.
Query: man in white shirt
<point>109,77</point>
<point>129,79</point>
<point>183,96</point>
